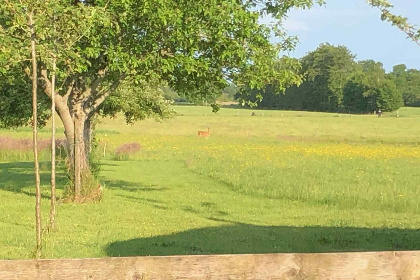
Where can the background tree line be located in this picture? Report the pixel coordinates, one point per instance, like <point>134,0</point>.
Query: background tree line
<point>335,82</point>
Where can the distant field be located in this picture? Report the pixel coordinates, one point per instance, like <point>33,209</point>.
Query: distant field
<point>280,181</point>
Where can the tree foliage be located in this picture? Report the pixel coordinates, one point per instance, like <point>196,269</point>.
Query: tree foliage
<point>324,71</point>
<point>195,47</point>
<point>412,31</point>
<point>58,27</point>
<point>15,110</point>
<point>408,84</point>
<point>334,82</point>
<point>370,89</point>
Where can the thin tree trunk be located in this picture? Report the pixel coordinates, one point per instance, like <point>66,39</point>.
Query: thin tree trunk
<point>77,161</point>
<point>53,196</point>
<point>35,140</point>
<point>68,122</point>
<point>87,137</point>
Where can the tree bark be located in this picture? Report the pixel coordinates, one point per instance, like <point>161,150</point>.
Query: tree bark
<point>77,127</point>
<point>35,138</point>
<point>64,112</point>
<point>81,166</point>
<point>77,159</point>
<point>87,137</point>
<point>53,195</point>
<point>68,123</point>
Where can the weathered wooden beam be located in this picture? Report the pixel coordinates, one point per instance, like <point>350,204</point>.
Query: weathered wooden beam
<point>368,265</point>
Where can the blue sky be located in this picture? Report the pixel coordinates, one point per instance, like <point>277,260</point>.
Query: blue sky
<point>356,25</point>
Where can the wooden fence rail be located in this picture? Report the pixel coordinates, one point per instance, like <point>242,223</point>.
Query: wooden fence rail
<point>368,265</point>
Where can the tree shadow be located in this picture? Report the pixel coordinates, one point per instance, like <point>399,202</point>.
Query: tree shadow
<point>17,176</point>
<point>108,164</point>
<point>131,187</point>
<point>147,201</point>
<point>241,238</point>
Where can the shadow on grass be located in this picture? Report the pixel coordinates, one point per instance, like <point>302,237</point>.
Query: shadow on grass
<point>131,187</point>
<point>17,176</point>
<point>250,239</point>
<point>146,201</point>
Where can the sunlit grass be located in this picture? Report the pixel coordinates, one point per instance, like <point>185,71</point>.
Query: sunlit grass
<point>280,181</point>
<point>346,181</point>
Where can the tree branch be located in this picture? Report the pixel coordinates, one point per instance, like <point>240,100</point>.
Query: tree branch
<point>59,100</point>
<point>47,86</point>
<point>399,21</point>
<point>69,90</point>
<point>95,84</point>
<point>92,89</point>
<point>27,72</point>
<point>104,94</point>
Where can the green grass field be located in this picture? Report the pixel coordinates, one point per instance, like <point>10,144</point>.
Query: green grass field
<point>280,181</point>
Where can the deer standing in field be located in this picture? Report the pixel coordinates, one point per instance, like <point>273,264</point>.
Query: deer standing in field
<point>204,134</point>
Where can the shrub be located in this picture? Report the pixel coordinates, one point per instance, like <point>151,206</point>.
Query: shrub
<point>123,152</point>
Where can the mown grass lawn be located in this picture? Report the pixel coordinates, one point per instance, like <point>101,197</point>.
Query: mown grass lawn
<point>280,181</point>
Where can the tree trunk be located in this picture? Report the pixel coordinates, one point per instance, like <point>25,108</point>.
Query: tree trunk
<point>78,136</point>
<point>67,120</point>
<point>53,196</point>
<point>76,109</point>
<point>35,138</point>
<point>87,137</point>
<point>81,162</point>
<point>78,140</point>
<point>75,112</point>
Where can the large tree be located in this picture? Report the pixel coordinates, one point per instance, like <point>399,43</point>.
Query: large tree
<point>370,89</point>
<point>195,47</point>
<point>408,84</point>
<point>325,72</point>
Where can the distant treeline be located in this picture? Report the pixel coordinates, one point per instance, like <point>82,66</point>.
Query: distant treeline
<point>334,82</point>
